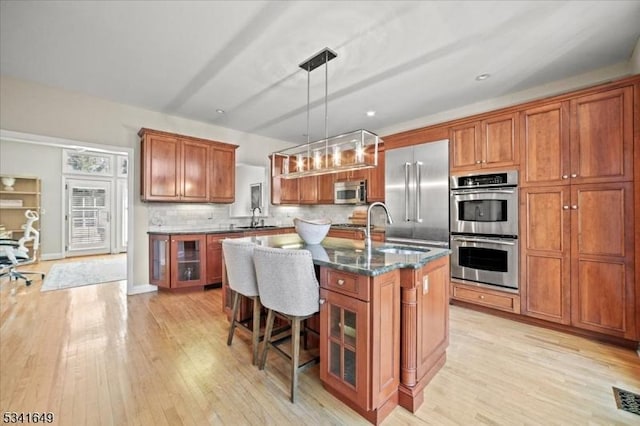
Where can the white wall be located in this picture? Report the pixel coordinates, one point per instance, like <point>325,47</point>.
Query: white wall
<point>45,162</point>
<point>634,62</point>
<point>32,108</point>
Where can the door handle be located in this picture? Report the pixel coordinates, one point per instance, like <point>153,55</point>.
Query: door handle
<point>483,240</point>
<point>418,165</point>
<point>406,191</point>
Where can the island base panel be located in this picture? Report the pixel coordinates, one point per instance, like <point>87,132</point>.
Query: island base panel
<point>411,398</point>
<point>373,416</point>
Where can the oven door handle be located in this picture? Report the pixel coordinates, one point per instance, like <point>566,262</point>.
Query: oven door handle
<point>483,240</point>
<point>482,191</point>
<point>406,191</point>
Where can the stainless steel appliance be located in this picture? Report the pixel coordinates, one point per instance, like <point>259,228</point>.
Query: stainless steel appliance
<point>351,192</point>
<point>484,228</point>
<point>485,204</point>
<point>416,194</point>
<point>487,260</point>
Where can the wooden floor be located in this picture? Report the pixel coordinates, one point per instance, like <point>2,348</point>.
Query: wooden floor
<point>93,356</point>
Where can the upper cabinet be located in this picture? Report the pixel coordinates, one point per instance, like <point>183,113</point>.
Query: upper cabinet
<point>602,136</point>
<point>178,168</point>
<point>492,142</point>
<point>588,139</point>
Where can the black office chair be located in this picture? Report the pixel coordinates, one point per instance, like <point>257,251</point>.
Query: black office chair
<point>14,253</point>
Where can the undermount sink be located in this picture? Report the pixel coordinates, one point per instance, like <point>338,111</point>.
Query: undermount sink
<point>256,227</point>
<point>402,250</point>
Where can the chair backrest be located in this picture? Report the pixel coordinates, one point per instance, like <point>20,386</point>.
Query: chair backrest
<point>238,259</point>
<point>30,234</point>
<point>287,280</point>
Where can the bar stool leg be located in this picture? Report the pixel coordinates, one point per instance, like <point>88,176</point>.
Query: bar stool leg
<point>295,355</point>
<point>267,337</point>
<point>234,314</point>
<point>255,335</point>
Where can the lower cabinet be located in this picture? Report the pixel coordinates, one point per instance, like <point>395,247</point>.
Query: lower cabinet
<point>355,234</point>
<point>577,257</point>
<point>424,294</point>
<point>360,340</point>
<point>214,256</point>
<point>177,261</point>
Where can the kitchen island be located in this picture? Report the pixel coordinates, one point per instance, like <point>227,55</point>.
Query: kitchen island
<point>384,320</point>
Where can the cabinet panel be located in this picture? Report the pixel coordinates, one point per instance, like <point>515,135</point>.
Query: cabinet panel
<point>490,298</point>
<point>600,228</point>
<point>600,297</point>
<point>602,136</point>
<point>214,256</point>
<point>223,176</point>
<point>499,141</point>
<point>325,188</point>
<point>161,168</point>
<point>602,284</point>
<point>464,147</point>
<point>308,189</point>
<point>375,180</point>
<point>545,262</point>
<point>545,144</point>
<point>195,185</point>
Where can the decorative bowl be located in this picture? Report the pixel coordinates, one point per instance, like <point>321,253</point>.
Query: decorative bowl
<point>8,183</point>
<point>312,231</point>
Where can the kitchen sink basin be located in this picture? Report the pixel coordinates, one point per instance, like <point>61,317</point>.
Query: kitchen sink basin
<point>402,250</point>
<point>256,227</point>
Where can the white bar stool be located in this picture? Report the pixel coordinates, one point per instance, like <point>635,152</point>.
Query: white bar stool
<point>241,275</point>
<point>288,286</point>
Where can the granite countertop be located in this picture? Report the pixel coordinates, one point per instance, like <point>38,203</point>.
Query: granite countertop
<point>183,230</point>
<point>352,255</point>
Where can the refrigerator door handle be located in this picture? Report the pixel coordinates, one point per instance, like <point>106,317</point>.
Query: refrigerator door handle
<point>406,191</point>
<point>418,165</point>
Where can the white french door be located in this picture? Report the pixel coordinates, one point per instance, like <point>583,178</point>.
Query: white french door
<point>88,216</point>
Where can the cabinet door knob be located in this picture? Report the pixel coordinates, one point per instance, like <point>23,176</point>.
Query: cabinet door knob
<point>340,282</point>
<point>321,301</point>
<point>574,175</point>
<point>478,162</point>
<point>574,207</point>
<point>565,176</point>
<point>565,207</point>
<point>484,161</point>
<point>481,296</point>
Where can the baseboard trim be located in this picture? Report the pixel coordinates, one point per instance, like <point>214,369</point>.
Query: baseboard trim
<point>139,289</point>
<point>52,256</point>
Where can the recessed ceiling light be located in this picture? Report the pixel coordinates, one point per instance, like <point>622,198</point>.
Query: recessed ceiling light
<point>220,111</point>
<point>483,77</point>
<point>371,113</point>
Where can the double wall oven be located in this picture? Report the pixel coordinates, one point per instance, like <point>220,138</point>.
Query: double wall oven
<point>484,228</point>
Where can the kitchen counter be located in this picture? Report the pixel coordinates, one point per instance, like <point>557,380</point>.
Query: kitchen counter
<point>185,230</point>
<point>353,256</point>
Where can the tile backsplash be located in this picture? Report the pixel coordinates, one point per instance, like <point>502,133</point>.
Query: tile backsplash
<point>217,215</point>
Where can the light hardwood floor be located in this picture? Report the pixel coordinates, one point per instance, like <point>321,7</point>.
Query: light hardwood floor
<point>94,356</point>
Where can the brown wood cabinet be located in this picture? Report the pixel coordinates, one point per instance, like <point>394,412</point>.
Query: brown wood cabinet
<point>588,139</point>
<point>360,340</point>
<point>492,142</point>
<point>325,188</point>
<point>177,261</point>
<point>308,190</point>
<point>177,168</point>
<point>424,294</point>
<point>355,234</point>
<point>214,256</point>
<point>577,265</point>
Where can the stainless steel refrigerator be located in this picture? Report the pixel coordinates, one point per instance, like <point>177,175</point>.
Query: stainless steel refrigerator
<point>417,194</point>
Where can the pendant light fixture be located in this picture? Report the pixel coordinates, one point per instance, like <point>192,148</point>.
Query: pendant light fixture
<point>349,151</point>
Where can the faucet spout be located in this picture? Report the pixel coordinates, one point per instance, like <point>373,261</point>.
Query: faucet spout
<point>367,231</point>
<point>254,221</point>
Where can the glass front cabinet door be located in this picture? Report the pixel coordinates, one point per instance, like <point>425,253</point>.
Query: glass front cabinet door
<point>343,354</point>
<point>188,266</point>
<point>159,260</point>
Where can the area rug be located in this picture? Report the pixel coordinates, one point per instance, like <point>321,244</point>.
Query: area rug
<point>76,274</point>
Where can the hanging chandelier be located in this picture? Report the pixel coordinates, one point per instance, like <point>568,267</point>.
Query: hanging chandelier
<point>349,151</point>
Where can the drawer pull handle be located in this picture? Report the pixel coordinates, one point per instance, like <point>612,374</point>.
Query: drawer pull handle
<point>341,282</point>
<point>481,296</point>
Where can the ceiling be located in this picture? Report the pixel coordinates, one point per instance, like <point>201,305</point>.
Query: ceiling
<point>402,59</point>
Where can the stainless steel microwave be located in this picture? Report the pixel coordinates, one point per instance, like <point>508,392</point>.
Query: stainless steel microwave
<point>351,192</point>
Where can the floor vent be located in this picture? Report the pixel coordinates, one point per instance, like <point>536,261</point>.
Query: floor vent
<point>627,401</point>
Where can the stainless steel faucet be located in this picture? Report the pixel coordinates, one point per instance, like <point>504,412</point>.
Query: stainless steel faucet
<point>254,221</point>
<point>367,231</point>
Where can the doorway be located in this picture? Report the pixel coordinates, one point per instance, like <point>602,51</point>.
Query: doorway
<point>88,217</point>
